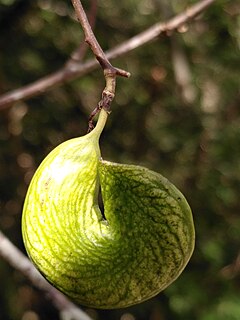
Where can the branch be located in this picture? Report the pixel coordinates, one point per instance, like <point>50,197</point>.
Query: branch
<point>80,52</point>
<point>110,72</point>
<point>74,70</point>
<point>180,63</point>
<point>232,270</point>
<point>17,260</point>
<point>93,43</point>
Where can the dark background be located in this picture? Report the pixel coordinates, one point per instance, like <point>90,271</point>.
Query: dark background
<point>178,114</point>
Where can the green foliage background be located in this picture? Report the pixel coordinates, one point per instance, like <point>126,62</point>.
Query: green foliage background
<point>189,132</point>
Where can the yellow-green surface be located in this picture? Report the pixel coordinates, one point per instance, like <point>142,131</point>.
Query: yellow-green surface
<point>130,253</point>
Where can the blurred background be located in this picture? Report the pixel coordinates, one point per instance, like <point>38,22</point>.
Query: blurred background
<point>178,114</point>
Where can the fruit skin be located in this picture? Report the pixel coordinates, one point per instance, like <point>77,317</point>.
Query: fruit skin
<point>135,250</point>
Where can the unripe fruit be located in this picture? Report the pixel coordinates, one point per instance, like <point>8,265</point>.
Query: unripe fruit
<point>130,253</point>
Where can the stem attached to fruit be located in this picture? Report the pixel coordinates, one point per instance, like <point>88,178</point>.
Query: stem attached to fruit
<point>102,119</point>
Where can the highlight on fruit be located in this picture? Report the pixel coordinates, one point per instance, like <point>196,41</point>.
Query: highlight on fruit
<point>110,256</point>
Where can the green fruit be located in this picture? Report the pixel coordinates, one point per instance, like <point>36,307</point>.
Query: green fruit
<point>129,253</point>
